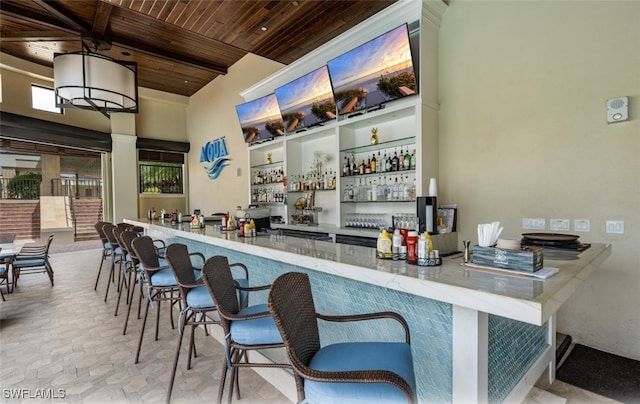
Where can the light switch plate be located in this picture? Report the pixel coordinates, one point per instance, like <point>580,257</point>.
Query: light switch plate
<point>559,224</point>
<point>533,223</point>
<point>583,225</point>
<point>615,226</point>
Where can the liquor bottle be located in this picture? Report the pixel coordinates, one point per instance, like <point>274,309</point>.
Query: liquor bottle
<point>361,168</point>
<point>373,164</point>
<point>351,192</point>
<point>413,190</point>
<point>374,190</point>
<point>395,191</point>
<point>369,191</point>
<point>380,190</point>
<point>367,167</point>
<point>387,162</point>
<point>413,160</point>
<point>326,179</point>
<point>332,184</point>
<point>401,189</point>
<point>354,166</point>
<point>345,168</point>
<point>407,160</point>
<point>401,161</point>
<point>389,189</point>
<point>407,189</point>
<point>395,162</point>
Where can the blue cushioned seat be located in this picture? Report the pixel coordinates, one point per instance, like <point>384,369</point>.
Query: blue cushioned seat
<point>256,331</point>
<point>199,298</point>
<point>23,263</point>
<point>163,277</point>
<point>107,245</point>
<point>395,357</point>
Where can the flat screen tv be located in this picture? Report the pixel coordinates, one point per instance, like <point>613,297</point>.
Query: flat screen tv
<point>260,119</point>
<point>374,73</point>
<point>307,101</point>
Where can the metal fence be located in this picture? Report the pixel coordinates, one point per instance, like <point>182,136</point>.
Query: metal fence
<point>161,178</point>
<point>78,188</point>
<point>19,188</point>
<point>29,189</point>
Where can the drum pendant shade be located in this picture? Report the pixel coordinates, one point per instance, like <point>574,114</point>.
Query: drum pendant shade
<point>92,81</point>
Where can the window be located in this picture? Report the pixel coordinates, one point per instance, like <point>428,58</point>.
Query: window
<point>44,99</point>
<point>161,178</point>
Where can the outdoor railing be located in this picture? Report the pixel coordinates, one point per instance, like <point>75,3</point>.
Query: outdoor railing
<point>79,188</point>
<point>29,189</point>
<point>19,188</point>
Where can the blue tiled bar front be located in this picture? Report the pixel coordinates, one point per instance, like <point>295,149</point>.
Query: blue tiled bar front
<point>476,336</point>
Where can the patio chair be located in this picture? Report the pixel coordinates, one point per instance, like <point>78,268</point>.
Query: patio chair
<point>7,238</point>
<point>33,259</point>
<point>342,372</point>
<point>134,274</point>
<point>161,283</point>
<point>106,248</point>
<point>195,298</point>
<point>117,256</point>
<point>245,329</point>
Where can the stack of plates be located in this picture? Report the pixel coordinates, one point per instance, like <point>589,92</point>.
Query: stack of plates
<point>554,240</point>
<point>509,243</point>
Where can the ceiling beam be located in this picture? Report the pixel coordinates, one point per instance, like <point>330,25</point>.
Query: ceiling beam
<point>127,43</point>
<point>101,19</point>
<point>59,13</point>
<point>37,36</point>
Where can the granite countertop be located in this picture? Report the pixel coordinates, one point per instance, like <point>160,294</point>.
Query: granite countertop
<point>520,298</point>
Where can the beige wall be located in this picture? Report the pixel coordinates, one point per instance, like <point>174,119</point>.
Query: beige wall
<point>523,133</point>
<point>211,114</point>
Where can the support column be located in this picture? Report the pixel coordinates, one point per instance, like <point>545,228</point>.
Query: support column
<point>50,166</point>
<point>470,355</point>
<point>124,177</point>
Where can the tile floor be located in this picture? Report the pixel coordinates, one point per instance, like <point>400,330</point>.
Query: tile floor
<point>65,341</point>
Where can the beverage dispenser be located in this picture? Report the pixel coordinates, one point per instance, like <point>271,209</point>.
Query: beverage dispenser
<point>427,212</point>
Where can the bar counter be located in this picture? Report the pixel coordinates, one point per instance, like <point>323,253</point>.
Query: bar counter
<point>476,336</point>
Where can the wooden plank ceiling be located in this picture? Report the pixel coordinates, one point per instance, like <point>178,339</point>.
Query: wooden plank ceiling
<point>179,45</point>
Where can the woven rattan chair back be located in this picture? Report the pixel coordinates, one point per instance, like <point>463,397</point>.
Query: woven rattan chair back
<point>126,239</point>
<point>99,229</point>
<point>108,233</point>
<point>291,304</point>
<point>218,278</point>
<point>178,258</point>
<point>117,232</point>
<point>145,251</point>
<point>6,238</point>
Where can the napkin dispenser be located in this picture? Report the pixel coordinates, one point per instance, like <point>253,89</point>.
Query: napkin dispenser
<point>427,212</point>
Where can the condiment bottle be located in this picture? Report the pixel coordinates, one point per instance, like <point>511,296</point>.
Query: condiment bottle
<point>384,245</point>
<point>423,250</point>
<point>412,240</point>
<point>396,244</point>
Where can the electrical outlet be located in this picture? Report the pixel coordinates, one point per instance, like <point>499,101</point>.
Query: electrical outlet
<point>559,224</point>
<point>533,223</point>
<point>615,226</point>
<point>583,225</point>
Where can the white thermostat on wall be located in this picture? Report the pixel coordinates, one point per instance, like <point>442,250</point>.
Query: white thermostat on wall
<point>617,109</point>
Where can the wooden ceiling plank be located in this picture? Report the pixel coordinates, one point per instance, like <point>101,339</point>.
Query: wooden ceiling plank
<point>101,19</point>
<point>37,36</point>
<point>200,24</point>
<point>60,13</point>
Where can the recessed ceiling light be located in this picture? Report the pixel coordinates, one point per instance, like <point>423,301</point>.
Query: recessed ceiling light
<point>125,53</point>
<point>296,3</point>
<point>186,81</point>
<point>264,28</point>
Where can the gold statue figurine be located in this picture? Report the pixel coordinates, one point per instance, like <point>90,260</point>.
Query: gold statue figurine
<point>269,160</point>
<point>374,136</point>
